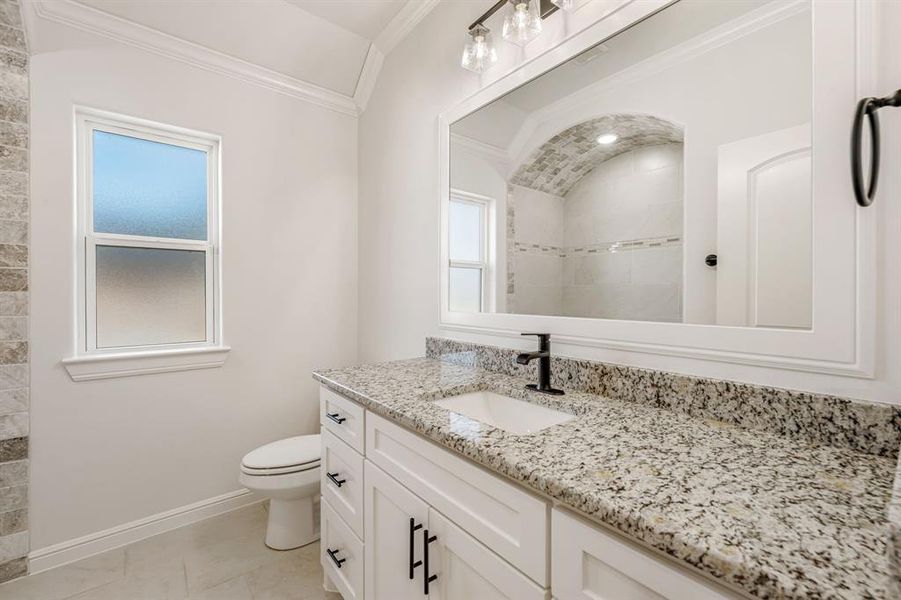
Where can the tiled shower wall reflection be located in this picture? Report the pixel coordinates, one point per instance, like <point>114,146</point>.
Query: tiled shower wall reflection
<point>611,247</point>
<point>14,213</point>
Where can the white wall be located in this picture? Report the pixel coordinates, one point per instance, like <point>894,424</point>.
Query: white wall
<point>109,452</point>
<point>399,220</point>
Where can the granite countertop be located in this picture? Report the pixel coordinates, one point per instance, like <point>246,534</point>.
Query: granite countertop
<point>773,516</point>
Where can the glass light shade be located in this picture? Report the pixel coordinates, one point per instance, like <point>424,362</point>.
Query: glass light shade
<point>479,53</point>
<point>563,4</point>
<point>522,24</point>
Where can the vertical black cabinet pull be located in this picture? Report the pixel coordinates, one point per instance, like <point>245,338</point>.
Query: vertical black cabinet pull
<point>867,108</point>
<point>413,529</point>
<point>426,578</point>
<point>333,477</point>
<point>333,554</point>
<point>334,417</point>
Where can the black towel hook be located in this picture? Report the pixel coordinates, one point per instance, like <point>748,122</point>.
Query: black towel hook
<point>867,107</point>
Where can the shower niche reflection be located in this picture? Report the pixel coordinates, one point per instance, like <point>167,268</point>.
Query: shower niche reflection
<point>599,188</point>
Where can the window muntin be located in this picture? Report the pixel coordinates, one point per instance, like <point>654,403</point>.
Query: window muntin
<point>468,254</point>
<point>148,224</point>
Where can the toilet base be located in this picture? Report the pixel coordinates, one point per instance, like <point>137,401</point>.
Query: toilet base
<point>291,524</point>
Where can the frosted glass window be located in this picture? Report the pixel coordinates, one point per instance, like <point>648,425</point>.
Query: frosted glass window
<point>148,296</point>
<point>465,229</point>
<point>147,188</point>
<point>465,286</point>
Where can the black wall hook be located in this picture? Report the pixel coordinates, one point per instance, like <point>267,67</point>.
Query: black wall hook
<point>867,107</point>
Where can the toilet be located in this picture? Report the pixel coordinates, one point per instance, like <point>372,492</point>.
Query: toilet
<point>286,472</point>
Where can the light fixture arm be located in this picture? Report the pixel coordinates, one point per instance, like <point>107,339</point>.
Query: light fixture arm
<point>547,8</point>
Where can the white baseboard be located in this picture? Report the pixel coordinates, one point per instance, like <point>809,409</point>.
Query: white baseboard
<point>95,543</point>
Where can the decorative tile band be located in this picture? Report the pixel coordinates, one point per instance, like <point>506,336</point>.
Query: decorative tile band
<point>600,247</point>
<point>864,426</point>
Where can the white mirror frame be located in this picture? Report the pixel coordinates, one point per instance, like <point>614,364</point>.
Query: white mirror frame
<point>842,340</point>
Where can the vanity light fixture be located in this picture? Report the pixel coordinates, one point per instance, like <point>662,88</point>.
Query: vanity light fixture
<point>521,25</point>
<point>480,53</point>
<point>607,138</point>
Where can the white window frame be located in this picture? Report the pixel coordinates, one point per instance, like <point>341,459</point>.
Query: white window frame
<point>91,362</point>
<point>485,262</point>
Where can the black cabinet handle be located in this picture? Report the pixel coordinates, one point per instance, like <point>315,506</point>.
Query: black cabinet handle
<point>413,528</point>
<point>333,477</point>
<point>427,579</point>
<point>334,417</point>
<point>867,108</point>
<point>333,554</point>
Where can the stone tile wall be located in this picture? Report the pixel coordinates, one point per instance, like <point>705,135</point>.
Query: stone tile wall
<point>14,212</point>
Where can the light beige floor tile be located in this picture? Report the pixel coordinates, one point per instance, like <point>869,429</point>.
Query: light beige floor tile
<point>247,522</point>
<point>233,589</point>
<point>215,563</point>
<point>161,584</point>
<point>296,577</point>
<point>223,558</point>
<point>68,580</point>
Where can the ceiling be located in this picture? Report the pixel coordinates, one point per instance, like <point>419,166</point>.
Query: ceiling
<point>323,42</point>
<point>366,18</point>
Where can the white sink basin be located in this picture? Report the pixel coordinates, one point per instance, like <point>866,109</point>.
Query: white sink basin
<point>512,415</point>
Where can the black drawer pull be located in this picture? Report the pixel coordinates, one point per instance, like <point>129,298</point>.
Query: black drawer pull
<point>333,477</point>
<point>334,417</point>
<point>413,528</point>
<point>427,579</point>
<point>333,554</point>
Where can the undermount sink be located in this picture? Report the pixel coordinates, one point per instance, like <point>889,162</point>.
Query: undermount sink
<point>511,415</point>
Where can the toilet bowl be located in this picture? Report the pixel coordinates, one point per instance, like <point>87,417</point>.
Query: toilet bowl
<point>286,472</point>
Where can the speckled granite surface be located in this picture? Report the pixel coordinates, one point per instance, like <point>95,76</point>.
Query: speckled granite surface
<point>774,516</point>
<point>865,426</point>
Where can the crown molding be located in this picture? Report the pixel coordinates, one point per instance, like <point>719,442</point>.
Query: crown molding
<point>400,26</point>
<point>368,76</point>
<point>478,148</point>
<point>121,30</point>
<point>403,23</point>
<point>727,33</point>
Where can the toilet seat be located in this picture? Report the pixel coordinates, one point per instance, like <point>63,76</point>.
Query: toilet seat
<point>291,455</point>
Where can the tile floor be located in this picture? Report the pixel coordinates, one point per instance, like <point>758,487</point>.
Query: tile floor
<point>222,558</point>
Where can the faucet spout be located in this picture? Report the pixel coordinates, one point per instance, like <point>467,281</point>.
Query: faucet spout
<point>527,357</point>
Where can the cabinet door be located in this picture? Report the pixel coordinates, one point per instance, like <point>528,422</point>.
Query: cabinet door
<point>592,564</point>
<point>464,568</point>
<point>394,522</point>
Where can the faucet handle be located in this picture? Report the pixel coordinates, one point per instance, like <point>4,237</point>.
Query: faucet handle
<point>544,340</point>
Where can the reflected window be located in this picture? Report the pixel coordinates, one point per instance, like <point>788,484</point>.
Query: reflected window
<point>467,231</point>
<point>148,226</point>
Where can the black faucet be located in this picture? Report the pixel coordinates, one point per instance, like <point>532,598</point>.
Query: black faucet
<point>544,364</point>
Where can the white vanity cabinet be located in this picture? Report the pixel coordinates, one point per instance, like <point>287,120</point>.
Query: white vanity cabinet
<point>428,512</point>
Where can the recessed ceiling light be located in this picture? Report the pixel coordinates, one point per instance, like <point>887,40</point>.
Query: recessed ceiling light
<point>607,138</point>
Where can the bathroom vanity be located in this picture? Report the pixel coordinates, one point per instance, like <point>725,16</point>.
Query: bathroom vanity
<point>618,499</point>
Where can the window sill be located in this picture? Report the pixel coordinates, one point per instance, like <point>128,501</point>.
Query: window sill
<point>109,366</point>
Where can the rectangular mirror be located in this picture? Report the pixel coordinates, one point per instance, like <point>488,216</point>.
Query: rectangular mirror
<point>662,175</point>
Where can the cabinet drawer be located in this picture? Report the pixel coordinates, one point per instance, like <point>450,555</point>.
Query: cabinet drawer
<point>499,514</point>
<point>342,417</point>
<point>344,566</point>
<point>464,568</point>
<point>342,481</point>
<point>592,564</point>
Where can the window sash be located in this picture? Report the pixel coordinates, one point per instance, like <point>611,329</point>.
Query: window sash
<point>88,121</point>
<point>482,263</point>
